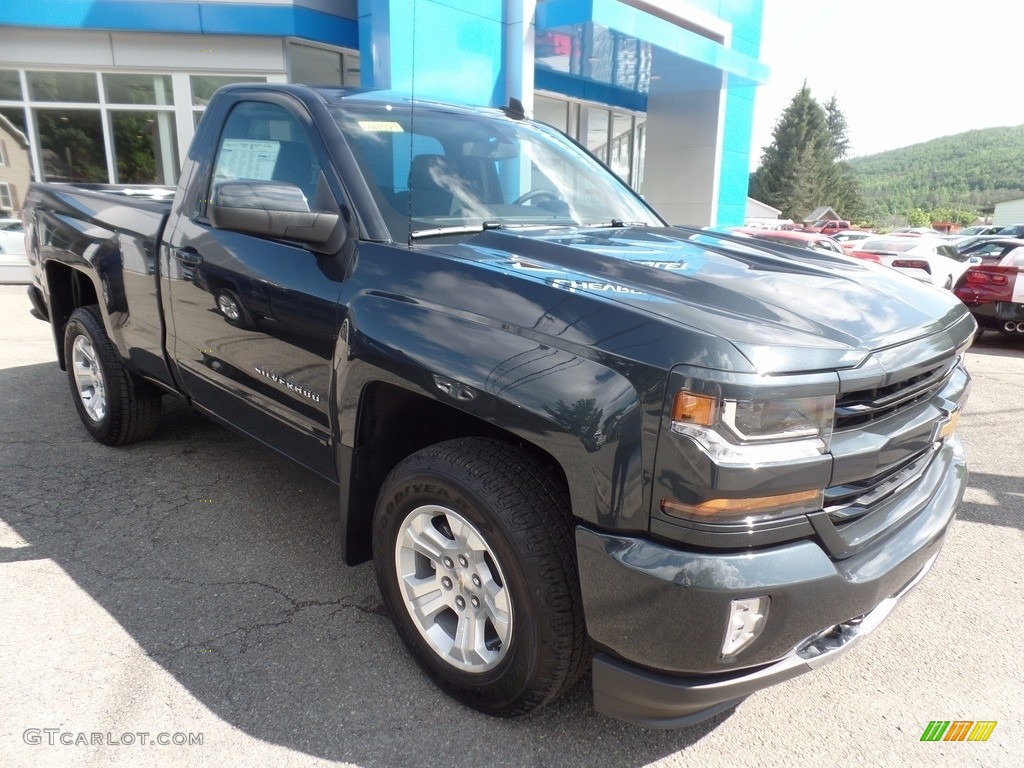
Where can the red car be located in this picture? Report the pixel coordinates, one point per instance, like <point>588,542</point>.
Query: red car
<point>793,237</point>
<point>994,293</point>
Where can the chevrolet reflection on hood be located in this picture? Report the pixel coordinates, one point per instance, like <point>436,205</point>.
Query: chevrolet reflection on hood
<point>297,388</point>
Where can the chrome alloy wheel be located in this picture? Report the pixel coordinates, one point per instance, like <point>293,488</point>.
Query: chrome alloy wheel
<point>92,388</point>
<point>229,307</point>
<point>453,588</point>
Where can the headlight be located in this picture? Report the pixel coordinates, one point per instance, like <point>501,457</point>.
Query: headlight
<point>755,432</point>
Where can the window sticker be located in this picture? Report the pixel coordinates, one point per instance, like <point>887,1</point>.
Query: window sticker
<point>247,159</point>
<point>380,126</point>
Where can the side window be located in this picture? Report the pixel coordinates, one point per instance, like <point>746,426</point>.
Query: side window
<point>952,253</point>
<point>264,142</point>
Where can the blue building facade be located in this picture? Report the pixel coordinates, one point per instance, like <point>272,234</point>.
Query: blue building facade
<point>662,91</point>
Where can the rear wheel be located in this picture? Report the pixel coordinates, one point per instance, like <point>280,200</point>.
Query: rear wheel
<point>115,407</point>
<point>474,550</point>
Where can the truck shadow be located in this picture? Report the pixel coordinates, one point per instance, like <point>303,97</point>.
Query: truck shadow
<point>221,560</point>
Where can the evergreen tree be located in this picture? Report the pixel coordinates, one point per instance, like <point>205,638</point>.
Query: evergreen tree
<point>837,127</point>
<point>801,169</point>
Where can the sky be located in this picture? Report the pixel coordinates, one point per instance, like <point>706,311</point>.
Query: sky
<point>902,71</point>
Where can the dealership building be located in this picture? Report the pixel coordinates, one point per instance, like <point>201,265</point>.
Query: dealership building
<point>661,90</point>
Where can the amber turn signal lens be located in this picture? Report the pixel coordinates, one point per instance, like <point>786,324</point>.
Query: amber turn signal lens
<point>694,409</point>
<point>799,501</point>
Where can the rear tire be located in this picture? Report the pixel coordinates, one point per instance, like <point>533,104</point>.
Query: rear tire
<point>116,407</point>
<point>475,554</point>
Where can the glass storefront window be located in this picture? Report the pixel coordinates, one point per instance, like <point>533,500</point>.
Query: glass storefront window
<point>616,138</point>
<point>203,86</point>
<point>144,147</point>
<point>639,154</point>
<point>63,86</point>
<point>16,115</point>
<point>622,145</point>
<point>311,65</point>
<point>554,112</point>
<point>10,85</point>
<point>138,89</point>
<point>353,70</point>
<point>594,131</point>
<point>72,145</point>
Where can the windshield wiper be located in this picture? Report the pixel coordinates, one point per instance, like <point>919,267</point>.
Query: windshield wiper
<point>462,229</point>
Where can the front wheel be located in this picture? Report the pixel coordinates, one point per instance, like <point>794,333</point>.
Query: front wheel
<point>115,407</point>
<point>474,550</point>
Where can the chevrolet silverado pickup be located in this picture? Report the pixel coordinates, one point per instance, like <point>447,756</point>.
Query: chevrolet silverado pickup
<point>569,436</point>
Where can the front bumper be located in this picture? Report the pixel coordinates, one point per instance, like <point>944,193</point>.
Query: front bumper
<point>658,614</point>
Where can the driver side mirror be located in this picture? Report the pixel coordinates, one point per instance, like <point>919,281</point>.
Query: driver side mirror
<point>274,209</point>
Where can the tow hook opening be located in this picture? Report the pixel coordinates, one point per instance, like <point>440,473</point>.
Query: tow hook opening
<point>831,639</point>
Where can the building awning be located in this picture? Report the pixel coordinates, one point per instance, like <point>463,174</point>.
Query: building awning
<point>699,43</point>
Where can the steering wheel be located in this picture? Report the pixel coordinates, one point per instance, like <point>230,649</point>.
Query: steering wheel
<point>537,194</point>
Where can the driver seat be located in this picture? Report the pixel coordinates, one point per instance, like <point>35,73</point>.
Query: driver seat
<point>431,179</point>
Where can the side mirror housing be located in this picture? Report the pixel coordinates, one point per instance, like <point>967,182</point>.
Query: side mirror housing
<point>271,209</point>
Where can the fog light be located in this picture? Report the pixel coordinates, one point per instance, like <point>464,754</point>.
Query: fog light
<point>747,618</point>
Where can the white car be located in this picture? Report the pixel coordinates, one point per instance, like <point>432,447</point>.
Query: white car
<point>929,259</point>
<point>13,258</point>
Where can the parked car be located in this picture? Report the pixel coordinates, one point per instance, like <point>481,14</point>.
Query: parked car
<point>12,237</point>
<point>849,239</point>
<point>916,231</point>
<point>1012,230</point>
<point>791,237</point>
<point>979,229</point>
<point>14,266</point>
<point>828,226</point>
<point>990,249</point>
<point>929,259</point>
<point>994,293</point>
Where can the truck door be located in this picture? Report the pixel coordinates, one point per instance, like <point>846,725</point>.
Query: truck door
<point>254,318</point>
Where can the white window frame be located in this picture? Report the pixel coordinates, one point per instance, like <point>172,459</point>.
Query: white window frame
<point>6,198</point>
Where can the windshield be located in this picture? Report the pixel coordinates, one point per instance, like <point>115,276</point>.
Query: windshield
<point>431,171</point>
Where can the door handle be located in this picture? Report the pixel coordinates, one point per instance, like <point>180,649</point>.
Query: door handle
<point>189,257</point>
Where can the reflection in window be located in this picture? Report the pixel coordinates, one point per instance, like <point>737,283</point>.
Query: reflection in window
<point>10,85</point>
<point>63,86</point>
<point>72,145</point>
<point>16,115</point>
<point>144,148</point>
<point>138,89</point>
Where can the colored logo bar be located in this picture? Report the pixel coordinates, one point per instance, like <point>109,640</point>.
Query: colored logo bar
<point>958,730</point>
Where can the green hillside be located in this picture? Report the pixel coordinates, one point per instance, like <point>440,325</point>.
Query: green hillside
<point>967,170</point>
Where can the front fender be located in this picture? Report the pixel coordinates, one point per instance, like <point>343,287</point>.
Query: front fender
<point>584,413</point>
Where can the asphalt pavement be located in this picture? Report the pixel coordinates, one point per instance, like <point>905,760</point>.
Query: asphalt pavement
<point>181,602</point>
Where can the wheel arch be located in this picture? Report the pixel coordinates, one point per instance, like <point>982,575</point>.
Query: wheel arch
<point>383,438</point>
<point>68,289</point>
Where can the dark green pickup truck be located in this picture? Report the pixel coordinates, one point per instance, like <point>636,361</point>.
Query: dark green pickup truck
<point>569,436</point>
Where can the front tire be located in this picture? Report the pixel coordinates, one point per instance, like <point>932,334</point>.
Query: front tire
<point>115,407</point>
<point>474,549</point>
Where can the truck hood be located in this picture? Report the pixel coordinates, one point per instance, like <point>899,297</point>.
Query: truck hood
<point>827,311</point>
